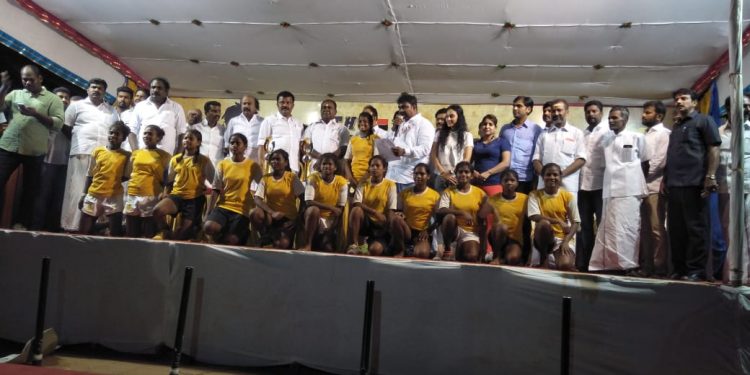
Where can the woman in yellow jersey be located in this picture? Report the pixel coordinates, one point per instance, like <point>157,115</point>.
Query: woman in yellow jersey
<point>230,202</point>
<point>188,172</point>
<point>374,203</point>
<point>459,206</point>
<point>410,230</point>
<point>148,170</point>
<point>361,148</point>
<point>509,210</point>
<point>103,191</point>
<point>555,212</point>
<point>325,198</point>
<point>277,199</point>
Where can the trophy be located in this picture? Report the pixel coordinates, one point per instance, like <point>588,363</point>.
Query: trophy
<point>307,148</point>
<point>269,146</point>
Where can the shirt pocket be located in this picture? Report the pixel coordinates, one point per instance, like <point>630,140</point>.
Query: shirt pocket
<point>568,146</point>
<point>627,153</point>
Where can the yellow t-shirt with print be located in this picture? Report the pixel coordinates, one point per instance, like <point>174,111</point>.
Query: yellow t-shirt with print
<point>512,213</point>
<point>418,208</point>
<point>362,150</point>
<point>328,193</point>
<point>233,181</point>
<point>187,174</point>
<point>553,206</point>
<point>106,171</point>
<point>466,202</point>
<point>281,195</point>
<point>147,176</point>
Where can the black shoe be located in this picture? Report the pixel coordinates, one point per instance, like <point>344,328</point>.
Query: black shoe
<point>676,276</point>
<point>637,273</point>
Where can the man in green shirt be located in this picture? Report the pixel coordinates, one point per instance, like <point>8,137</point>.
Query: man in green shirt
<point>35,112</point>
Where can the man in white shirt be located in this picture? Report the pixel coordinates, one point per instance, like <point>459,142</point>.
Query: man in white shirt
<point>624,186</point>
<point>412,143</point>
<point>653,243</point>
<point>124,107</point>
<point>326,134</point>
<point>88,122</point>
<point>161,111</point>
<point>246,123</point>
<point>282,131</point>
<point>212,133</point>
<point>592,176</point>
<point>562,144</point>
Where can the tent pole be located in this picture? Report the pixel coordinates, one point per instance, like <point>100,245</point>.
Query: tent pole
<point>737,212</point>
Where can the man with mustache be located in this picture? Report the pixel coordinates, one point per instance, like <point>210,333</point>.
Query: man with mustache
<point>283,129</point>
<point>690,176</point>
<point>35,112</point>
<point>159,110</point>
<point>326,134</point>
<point>88,122</point>
<point>562,144</point>
<point>246,123</point>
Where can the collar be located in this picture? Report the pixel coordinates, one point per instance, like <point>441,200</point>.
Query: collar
<point>249,119</point>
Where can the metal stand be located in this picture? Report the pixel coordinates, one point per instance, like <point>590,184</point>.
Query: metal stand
<point>175,370</point>
<point>364,362</point>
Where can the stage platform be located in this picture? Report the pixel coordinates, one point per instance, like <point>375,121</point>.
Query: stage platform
<point>255,307</point>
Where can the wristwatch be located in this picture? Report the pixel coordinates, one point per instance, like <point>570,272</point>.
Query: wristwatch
<point>711,176</point>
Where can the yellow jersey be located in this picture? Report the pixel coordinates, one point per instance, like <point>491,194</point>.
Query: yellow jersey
<point>379,197</point>
<point>556,206</point>
<point>281,195</point>
<point>148,172</point>
<point>512,213</point>
<point>418,207</point>
<point>232,180</point>
<point>360,151</point>
<point>467,202</point>
<point>332,193</point>
<point>106,170</point>
<point>188,173</point>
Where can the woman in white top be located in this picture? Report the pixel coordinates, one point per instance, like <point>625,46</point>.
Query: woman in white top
<point>452,145</point>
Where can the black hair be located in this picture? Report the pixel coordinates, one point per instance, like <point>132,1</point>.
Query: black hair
<point>407,98</point>
<point>684,91</point>
<point>372,109</point>
<point>124,129</point>
<point>422,165</point>
<point>560,100</point>
<point>461,165</point>
<point>280,152</point>
<point>284,94</point>
<point>509,172</point>
<point>527,102</point>
<point>257,103</point>
<point>489,116</point>
<point>441,111</point>
<point>159,131</point>
<point>335,106</point>
<point>334,159</point>
<point>61,89</point>
<point>98,81</point>
<point>240,136</point>
<point>624,111</point>
<point>162,80</point>
<point>548,104</point>
<point>369,118</point>
<point>34,68</point>
<point>548,166</point>
<point>125,89</point>
<point>597,103</point>
<point>211,103</point>
<point>659,107</point>
<point>460,128</point>
<point>382,160</point>
<point>197,134</point>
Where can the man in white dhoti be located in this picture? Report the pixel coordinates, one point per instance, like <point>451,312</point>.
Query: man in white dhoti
<point>616,244</point>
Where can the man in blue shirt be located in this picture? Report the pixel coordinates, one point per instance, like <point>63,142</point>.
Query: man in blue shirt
<point>522,134</point>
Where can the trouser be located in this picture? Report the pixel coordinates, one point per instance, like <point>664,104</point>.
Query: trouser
<point>687,221</point>
<point>718,243</point>
<point>32,165</point>
<point>78,167</point>
<point>590,209</point>
<point>49,205</point>
<point>654,242</point>
<point>526,187</point>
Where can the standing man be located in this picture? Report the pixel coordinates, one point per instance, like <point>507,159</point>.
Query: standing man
<point>624,185</point>
<point>161,111</point>
<point>440,118</point>
<point>212,133</point>
<point>54,171</point>
<point>562,144</point>
<point>522,135</point>
<point>653,245</point>
<point>246,123</point>
<point>140,95</point>
<point>124,107</point>
<point>326,134</point>
<point>592,176</point>
<point>35,112</point>
<point>283,130</point>
<point>690,175</point>
<point>88,122</point>
<point>547,114</point>
<point>412,143</point>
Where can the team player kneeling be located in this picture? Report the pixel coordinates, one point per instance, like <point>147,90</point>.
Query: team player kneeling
<point>166,199</point>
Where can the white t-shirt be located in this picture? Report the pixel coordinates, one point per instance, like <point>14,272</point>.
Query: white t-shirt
<point>449,155</point>
<point>90,125</point>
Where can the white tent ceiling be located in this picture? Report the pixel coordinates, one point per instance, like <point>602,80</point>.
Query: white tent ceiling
<point>443,50</point>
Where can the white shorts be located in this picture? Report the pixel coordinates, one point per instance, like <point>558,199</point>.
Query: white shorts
<point>138,205</point>
<point>96,207</point>
<point>535,261</point>
<point>462,235</point>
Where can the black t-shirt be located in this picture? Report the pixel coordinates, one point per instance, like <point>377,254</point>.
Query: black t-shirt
<point>687,159</point>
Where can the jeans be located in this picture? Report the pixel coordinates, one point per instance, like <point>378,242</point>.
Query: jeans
<point>32,168</point>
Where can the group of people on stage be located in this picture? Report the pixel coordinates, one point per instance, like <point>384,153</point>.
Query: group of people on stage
<point>553,195</point>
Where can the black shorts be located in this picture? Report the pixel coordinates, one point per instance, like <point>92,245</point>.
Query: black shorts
<point>231,222</point>
<point>373,231</point>
<point>191,209</point>
<point>509,241</point>
<point>410,243</point>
